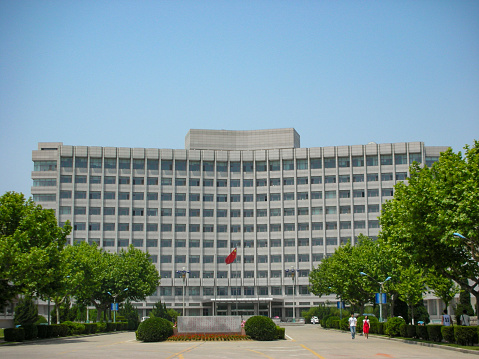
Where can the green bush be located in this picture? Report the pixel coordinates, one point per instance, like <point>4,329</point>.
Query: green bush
<point>101,327</point>
<point>14,334</point>
<point>26,312</point>
<point>465,335</point>
<point>421,331</point>
<point>344,324</point>
<point>330,320</point>
<point>41,320</point>
<point>280,332</point>
<point>90,328</point>
<point>45,331</point>
<point>75,328</point>
<point>448,334</point>
<point>403,331</point>
<point>159,329</point>
<point>31,331</point>
<point>392,326</point>
<point>411,331</point>
<point>380,328</point>
<point>434,332</point>
<point>260,328</point>
<point>110,327</point>
<point>57,329</point>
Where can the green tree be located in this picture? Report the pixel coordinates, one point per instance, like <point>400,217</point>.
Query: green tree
<point>411,286</point>
<point>25,312</point>
<point>30,247</point>
<point>130,313</point>
<point>442,287</point>
<point>423,215</point>
<point>159,311</point>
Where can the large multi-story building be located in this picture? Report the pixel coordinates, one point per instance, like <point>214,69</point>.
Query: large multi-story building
<point>283,207</point>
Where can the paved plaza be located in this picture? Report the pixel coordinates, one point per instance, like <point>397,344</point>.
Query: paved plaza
<point>303,342</point>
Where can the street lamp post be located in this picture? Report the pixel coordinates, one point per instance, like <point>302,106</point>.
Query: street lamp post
<point>380,293</point>
<point>183,275</point>
<point>292,271</point>
<point>114,303</point>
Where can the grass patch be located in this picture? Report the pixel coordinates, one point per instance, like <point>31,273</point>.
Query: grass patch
<point>1,333</point>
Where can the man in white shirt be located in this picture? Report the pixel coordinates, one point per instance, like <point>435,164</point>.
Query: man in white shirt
<point>352,325</point>
<point>465,318</point>
<point>446,319</point>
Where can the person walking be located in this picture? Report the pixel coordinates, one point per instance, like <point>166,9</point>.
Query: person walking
<point>465,320</point>
<point>446,319</point>
<point>352,325</point>
<point>366,325</point>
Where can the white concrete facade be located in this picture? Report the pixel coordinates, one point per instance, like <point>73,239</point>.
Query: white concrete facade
<point>282,207</point>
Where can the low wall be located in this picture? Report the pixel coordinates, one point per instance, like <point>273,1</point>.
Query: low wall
<point>222,324</point>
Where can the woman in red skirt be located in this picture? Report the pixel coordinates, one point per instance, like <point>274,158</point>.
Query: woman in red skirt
<point>366,326</point>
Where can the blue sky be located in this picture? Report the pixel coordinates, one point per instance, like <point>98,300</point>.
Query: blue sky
<point>142,73</point>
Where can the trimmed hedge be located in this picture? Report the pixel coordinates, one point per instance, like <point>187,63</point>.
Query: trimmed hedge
<point>31,331</point>
<point>159,329</point>
<point>380,328</point>
<point>260,328</point>
<point>421,332</point>
<point>392,326</point>
<point>75,328</point>
<point>434,332</point>
<point>280,332</point>
<point>448,334</point>
<point>465,335</point>
<point>14,334</point>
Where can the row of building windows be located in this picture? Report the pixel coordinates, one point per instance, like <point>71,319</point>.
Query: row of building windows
<point>209,197</point>
<point>222,243</point>
<point>232,291</point>
<point>220,213</point>
<point>210,228</point>
<point>221,183</point>
<point>234,166</point>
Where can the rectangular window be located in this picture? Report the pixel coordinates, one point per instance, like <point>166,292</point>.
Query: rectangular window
<point>166,165</point>
<point>207,183</point>
<point>221,183</point>
<point>330,194</point>
<point>80,210</point>
<point>344,194</point>
<point>194,197</point>
<point>345,225</point>
<point>387,192</point>
<point>316,195</point>
<point>208,166</point>
<point>303,211</point>
<point>222,167</point>
<point>94,226</point>
<point>386,160</point>
<point>94,211</point>
<point>373,224</point>
<point>329,179</point>
<point>358,178</point>
<point>386,176</point>
<point>400,159</point>
<point>303,226</point>
<point>235,167</point>
<point>316,180</point>
<point>302,164</point>
<point>315,163</point>
<point>373,208</point>
<point>401,176</point>
<point>180,197</point>
<point>288,165</point>
<point>359,208</point>
<point>95,195</point>
<point>331,241</point>
<point>289,227</point>
<point>359,224</point>
<point>330,162</point>
<point>208,198</point>
<point>373,192</point>
<point>45,182</point>
<point>345,209</point>
<point>80,179</point>
<point>274,212</point>
<point>373,177</point>
<point>110,163</point>
<point>95,162</point>
<point>139,164</point>
<point>303,196</point>
<point>152,164</point>
<point>66,162</point>
<point>331,225</point>
<point>372,160</point>
<point>65,179</point>
<point>316,210</point>
<point>288,181</point>
<point>235,198</point>
<point>124,164</point>
<point>262,182</point>
<point>358,161</point>
<point>66,194</point>
<point>248,198</point>
<point>124,195</point>
<point>415,157</point>
<point>274,166</point>
<point>344,179</point>
<point>80,195</point>
<point>140,196</point>
<point>358,193</point>
<point>276,227</point>
<point>331,210</point>
<point>166,182</point>
<point>316,242</point>
<point>343,162</point>
<point>180,165</point>
<point>195,166</point>
<point>108,227</point>
<point>289,196</point>
<point>261,166</point>
<point>180,228</point>
<point>248,166</point>
<point>95,179</point>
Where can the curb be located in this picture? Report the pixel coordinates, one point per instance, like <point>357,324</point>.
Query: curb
<point>37,340</point>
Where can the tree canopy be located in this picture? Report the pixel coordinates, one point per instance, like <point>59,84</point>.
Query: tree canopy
<point>424,214</point>
<point>30,247</point>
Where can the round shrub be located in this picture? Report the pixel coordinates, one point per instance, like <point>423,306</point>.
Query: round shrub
<point>344,324</point>
<point>157,330</point>
<point>392,326</point>
<point>14,334</point>
<point>260,328</point>
<point>330,320</point>
<point>403,330</point>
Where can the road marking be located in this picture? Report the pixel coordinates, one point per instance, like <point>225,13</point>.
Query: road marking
<point>255,351</point>
<point>313,352</point>
<point>289,338</point>
<point>180,354</point>
<point>385,355</point>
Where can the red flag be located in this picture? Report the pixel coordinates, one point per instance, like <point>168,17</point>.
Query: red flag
<point>231,257</point>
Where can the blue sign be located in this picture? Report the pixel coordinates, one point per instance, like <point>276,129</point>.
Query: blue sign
<point>114,306</point>
<point>383,298</point>
<point>340,305</point>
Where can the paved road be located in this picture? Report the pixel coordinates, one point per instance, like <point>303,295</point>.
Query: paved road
<point>304,342</point>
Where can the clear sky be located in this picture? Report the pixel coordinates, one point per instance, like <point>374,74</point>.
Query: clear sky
<point>142,73</point>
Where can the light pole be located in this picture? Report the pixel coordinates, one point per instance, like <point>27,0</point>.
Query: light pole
<point>114,303</point>
<point>292,271</point>
<point>183,275</point>
<point>380,293</point>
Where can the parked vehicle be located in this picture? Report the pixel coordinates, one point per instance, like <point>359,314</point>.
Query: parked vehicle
<point>314,320</point>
